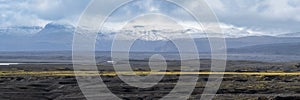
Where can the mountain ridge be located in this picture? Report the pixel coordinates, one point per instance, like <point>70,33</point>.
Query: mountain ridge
<point>56,37</point>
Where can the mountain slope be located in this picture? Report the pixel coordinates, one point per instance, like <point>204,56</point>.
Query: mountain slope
<point>277,48</point>
<point>297,34</point>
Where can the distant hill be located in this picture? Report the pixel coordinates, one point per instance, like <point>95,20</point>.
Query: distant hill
<point>296,34</point>
<point>277,48</point>
<point>203,43</point>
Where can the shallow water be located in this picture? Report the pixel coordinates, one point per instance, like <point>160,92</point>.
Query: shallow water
<point>5,64</point>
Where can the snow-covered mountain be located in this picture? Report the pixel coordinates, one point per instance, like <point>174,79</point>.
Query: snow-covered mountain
<point>59,36</point>
<point>151,33</point>
<point>54,36</point>
<point>55,32</point>
<point>143,32</point>
<point>154,33</point>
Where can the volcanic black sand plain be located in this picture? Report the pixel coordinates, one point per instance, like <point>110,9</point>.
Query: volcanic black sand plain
<point>243,80</point>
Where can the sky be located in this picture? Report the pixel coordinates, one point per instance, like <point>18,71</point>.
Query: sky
<point>268,16</point>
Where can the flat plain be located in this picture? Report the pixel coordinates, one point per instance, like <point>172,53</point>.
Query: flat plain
<point>242,80</point>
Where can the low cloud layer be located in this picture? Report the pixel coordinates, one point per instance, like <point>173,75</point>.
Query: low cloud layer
<point>272,17</point>
<point>38,12</point>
